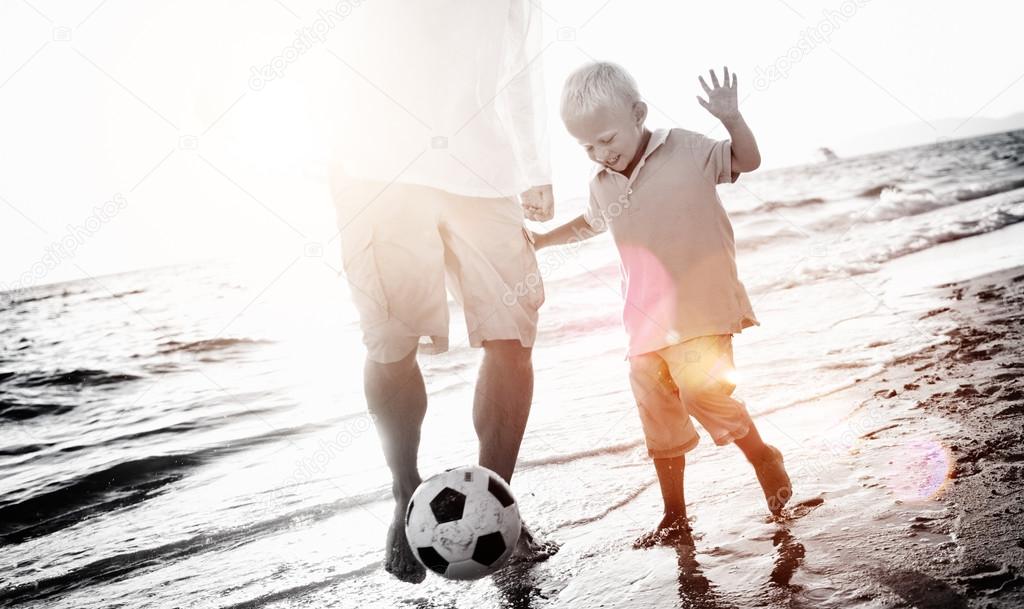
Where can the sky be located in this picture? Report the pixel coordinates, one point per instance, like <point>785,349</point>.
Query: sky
<point>133,134</point>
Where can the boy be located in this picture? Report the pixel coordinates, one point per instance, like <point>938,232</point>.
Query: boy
<point>683,301</point>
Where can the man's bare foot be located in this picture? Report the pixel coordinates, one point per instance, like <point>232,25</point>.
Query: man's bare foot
<point>398,557</point>
<point>530,549</point>
<point>673,530</point>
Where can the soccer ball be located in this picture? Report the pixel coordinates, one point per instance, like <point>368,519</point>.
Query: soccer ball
<point>463,523</point>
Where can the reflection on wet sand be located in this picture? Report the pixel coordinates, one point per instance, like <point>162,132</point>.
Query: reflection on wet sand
<point>695,590</point>
<point>698,592</point>
<point>790,553</point>
<point>517,586</point>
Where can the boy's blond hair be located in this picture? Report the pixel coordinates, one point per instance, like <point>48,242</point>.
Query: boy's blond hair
<point>597,85</point>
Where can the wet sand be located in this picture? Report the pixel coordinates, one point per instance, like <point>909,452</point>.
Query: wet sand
<point>977,381</point>
<point>913,499</point>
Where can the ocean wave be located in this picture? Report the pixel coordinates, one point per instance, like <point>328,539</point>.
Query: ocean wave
<point>583,454</point>
<point>896,203</point>
<point>901,242</point>
<point>611,507</point>
<point>981,190</point>
<point>117,485</point>
<point>23,449</point>
<point>119,565</point>
<point>757,241</point>
<point>305,589</point>
<point>162,367</point>
<point>12,410</point>
<point>78,376</point>
<point>36,294</point>
<point>845,365</point>
<point>117,295</point>
<point>876,191</point>
<point>114,487</point>
<point>209,344</point>
<point>891,202</point>
<point>865,374</point>
<point>770,206</point>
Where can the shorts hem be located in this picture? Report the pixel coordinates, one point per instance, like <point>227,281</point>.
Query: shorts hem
<point>732,436</point>
<point>477,342</point>
<point>386,354</point>
<point>671,453</point>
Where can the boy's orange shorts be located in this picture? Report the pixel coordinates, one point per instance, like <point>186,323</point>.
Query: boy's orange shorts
<point>690,378</point>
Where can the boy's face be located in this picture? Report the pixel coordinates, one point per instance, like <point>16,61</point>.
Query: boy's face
<point>611,135</point>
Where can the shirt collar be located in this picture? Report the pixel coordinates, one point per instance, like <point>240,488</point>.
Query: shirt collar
<point>658,137</point>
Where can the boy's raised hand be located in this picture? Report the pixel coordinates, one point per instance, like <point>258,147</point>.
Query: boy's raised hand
<point>722,102</point>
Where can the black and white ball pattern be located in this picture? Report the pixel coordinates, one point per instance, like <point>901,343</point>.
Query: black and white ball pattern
<point>463,523</point>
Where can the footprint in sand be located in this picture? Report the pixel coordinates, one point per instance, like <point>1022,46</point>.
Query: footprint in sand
<point>802,508</point>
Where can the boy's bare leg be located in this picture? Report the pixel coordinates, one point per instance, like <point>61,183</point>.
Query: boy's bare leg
<point>504,393</point>
<point>770,470</point>
<point>397,399</point>
<point>673,529</point>
<point>753,447</point>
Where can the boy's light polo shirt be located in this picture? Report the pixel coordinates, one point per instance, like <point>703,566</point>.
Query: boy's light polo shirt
<point>675,241</point>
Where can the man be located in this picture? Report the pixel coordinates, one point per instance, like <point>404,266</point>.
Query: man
<point>441,128</point>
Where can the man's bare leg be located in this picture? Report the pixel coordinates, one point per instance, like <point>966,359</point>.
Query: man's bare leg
<point>501,407</point>
<point>397,399</point>
<point>504,392</point>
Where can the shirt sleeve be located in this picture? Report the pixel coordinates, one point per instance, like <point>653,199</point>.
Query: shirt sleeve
<point>715,159</point>
<point>524,93</point>
<point>594,216</point>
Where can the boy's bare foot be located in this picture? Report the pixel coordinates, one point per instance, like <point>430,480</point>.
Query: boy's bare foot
<point>673,530</point>
<point>771,473</point>
<point>530,549</point>
<point>398,557</point>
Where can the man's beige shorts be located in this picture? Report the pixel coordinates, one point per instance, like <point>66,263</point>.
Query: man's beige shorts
<point>400,243</point>
<point>691,378</point>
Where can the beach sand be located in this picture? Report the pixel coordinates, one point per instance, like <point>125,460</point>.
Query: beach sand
<point>917,503</point>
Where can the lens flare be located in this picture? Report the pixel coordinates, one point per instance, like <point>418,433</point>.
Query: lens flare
<point>921,470</point>
<point>732,375</point>
<point>651,293</point>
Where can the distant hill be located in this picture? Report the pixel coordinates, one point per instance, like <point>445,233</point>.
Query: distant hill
<point>913,134</point>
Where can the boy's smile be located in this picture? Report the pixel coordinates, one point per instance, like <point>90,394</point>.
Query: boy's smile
<point>613,136</point>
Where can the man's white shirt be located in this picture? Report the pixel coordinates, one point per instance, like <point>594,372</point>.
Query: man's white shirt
<point>442,93</point>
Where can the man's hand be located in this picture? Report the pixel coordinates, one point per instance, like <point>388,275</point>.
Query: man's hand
<point>538,203</point>
<point>721,102</point>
